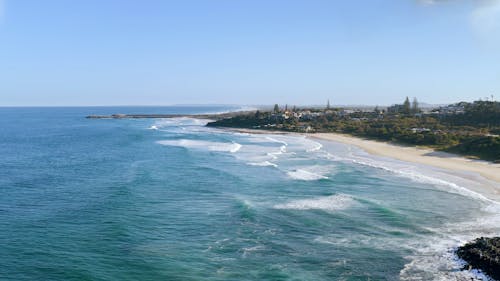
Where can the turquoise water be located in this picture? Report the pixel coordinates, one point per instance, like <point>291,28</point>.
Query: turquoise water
<point>148,199</point>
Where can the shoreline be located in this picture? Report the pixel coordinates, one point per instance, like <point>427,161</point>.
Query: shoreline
<point>486,174</point>
<point>426,156</point>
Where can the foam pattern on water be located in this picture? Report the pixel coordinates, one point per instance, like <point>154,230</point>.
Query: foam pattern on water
<point>327,203</point>
<point>173,199</point>
<point>427,251</point>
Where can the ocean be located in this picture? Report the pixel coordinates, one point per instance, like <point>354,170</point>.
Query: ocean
<point>170,199</point>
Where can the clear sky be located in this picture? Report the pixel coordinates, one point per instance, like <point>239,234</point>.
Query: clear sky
<point>145,52</point>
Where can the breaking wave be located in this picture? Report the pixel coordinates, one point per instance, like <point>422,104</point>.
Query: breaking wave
<point>328,203</point>
<point>412,172</point>
<point>203,145</point>
<point>428,255</point>
<point>263,164</point>
<point>300,174</point>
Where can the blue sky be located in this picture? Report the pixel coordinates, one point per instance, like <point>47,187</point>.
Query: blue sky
<point>106,52</point>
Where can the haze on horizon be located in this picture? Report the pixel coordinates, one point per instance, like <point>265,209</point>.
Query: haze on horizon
<point>114,52</point>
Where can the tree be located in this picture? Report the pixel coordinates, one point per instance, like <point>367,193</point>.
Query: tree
<point>406,106</point>
<point>276,108</point>
<point>414,106</point>
<point>328,104</point>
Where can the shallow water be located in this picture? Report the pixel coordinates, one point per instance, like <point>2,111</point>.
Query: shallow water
<point>171,199</point>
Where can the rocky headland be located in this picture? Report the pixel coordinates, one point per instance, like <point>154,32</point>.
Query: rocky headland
<point>484,254</point>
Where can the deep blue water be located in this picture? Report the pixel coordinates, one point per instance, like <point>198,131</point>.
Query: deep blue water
<point>169,199</point>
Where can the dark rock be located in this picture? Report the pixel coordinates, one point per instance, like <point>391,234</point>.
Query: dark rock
<point>484,254</point>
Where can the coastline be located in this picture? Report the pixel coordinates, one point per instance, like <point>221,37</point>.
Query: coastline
<point>426,156</point>
<point>486,174</point>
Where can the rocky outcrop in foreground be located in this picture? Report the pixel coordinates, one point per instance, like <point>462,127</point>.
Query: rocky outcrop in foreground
<point>484,254</point>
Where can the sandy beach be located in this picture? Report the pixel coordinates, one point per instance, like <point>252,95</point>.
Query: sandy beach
<point>418,155</point>
<point>455,164</point>
<point>489,173</point>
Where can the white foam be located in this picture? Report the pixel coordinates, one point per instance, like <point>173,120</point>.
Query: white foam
<point>431,255</point>
<point>435,256</point>
<point>153,127</point>
<point>180,121</point>
<point>304,175</point>
<point>235,147</point>
<point>415,173</point>
<point>295,143</point>
<point>328,203</point>
<point>263,164</point>
<point>203,145</point>
<point>358,240</point>
<point>281,150</point>
<point>274,139</point>
<point>249,250</point>
<point>434,259</point>
<point>317,147</point>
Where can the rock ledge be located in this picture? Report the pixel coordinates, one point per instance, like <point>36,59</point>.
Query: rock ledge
<point>484,254</point>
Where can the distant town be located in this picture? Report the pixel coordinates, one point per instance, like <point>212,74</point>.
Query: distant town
<point>467,128</point>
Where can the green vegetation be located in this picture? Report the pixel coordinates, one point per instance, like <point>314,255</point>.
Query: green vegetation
<point>465,128</point>
<point>406,106</point>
